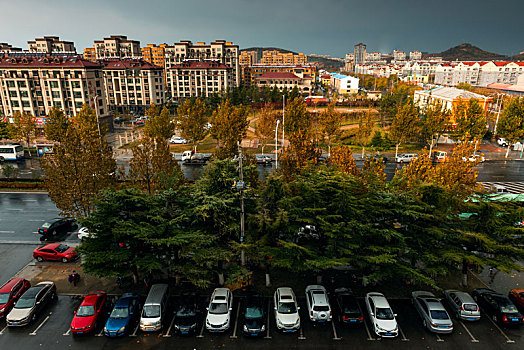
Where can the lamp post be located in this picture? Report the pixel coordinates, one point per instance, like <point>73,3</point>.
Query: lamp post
<point>95,102</point>
<point>241,186</point>
<point>283,119</point>
<point>276,144</point>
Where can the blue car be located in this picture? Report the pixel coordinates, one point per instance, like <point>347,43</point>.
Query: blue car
<point>123,315</point>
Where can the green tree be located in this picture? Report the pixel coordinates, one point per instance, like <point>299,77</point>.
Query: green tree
<point>229,127</point>
<point>56,125</point>
<point>297,117</point>
<point>71,177</point>
<point>366,123</point>
<point>406,124</point>
<point>265,126</point>
<point>24,127</point>
<point>470,120</point>
<point>435,120</point>
<point>330,121</point>
<point>192,119</point>
<point>302,151</point>
<point>160,126</point>
<point>511,123</point>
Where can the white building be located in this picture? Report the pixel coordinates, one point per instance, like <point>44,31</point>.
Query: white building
<point>448,96</point>
<point>479,73</point>
<point>344,84</point>
<point>399,55</point>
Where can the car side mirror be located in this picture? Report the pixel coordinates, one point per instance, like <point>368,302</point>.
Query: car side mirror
<point>395,315</point>
<point>372,314</point>
<point>298,308</point>
<point>275,307</point>
<point>207,308</point>
<point>74,312</point>
<point>230,309</point>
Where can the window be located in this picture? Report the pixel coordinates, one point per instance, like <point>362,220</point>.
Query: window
<point>23,93</point>
<point>22,84</point>
<point>13,94</point>
<point>15,104</point>
<point>25,104</point>
<point>10,83</point>
<point>53,84</point>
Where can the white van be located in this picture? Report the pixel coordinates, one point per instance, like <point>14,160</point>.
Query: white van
<point>11,152</point>
<point>154,308</point>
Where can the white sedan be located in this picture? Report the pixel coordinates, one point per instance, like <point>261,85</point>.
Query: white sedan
<point>178,140</point>
<point>474,158</point>
<point>382,317</point>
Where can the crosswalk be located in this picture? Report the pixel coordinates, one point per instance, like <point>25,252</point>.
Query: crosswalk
<point>510,187</point>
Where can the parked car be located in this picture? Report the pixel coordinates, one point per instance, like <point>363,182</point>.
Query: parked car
<point>474,158</point>
<point>123,316</point>
<point>178,140</point>
<point>406,157</point>
<point>463,305</point>
<point>186,313</point>
<point>286,310</point>
<point>346,307</point>
<point>379,158</point>
<point>263,159</point>
<point>188,157</point>
<point>254,315</point>
<point>434,316</point>
<point>31,304</point>
<point>83,233</point>
<point>498,306</point>
<point>10,292</point>
<point>55,252</point>
<point>318,304</point>
<point>516,295</point>
<point>55,226</point>
<point>155,308</point>
<point>502,142</point>
<point>140,121</point>
<point>88,313</point>
<point>218,316</point>
<point>381,315</point>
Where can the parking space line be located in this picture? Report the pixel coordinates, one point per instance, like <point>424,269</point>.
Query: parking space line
<point>439,339</point>
<point>268,311</point>
<point>234,336</point>
<point>99,334</point>
<point>167,335</point>
<point>136,330</point>
<point>40,326</point>
<point>368,332</point>
<point>68,331</point>
<point>508,340</point>
<point>3,330</point>
<point>301,336</point>
<point>335,335</point>
<point>402,333</point>
<point>473,339</point>
<point>7,231</point>
<point>201,335</point>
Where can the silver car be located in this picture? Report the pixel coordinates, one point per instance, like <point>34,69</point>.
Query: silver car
<point>434,316</point>
<point>31,304</point>
<point>463,305</point>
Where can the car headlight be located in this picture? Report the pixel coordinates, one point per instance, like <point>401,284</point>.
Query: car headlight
<point>208,323</point>
<point>176,326</point>
<point>2,310</point>
<point>245,328</point>
<point>105,329</point>
<point>279,322</point>
<point>263,328</point>
<point>298,321</point>
<point>122,329</point>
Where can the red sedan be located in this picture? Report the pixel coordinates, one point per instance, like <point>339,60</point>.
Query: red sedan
<point>88,313</point>
<point>10,292</point>
<point>517,296</point>
<point>55,252</point>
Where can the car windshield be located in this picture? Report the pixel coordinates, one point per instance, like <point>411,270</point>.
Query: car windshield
<point>349,305</point>
<point>4,298</point>
<point>86,311</point>
<point>120,312</point>
<point>25,303</point>
<point>287,308</point>
<point>185,320</point>
<point>384,314</point>
<point>151,311</point>
<point>218,308</point>
<point>470,307</point>
<point>254,312</point>
<point>439,315</point>
<point>61,248</point>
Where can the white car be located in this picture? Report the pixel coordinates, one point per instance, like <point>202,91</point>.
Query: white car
<point>218,317</point>
<point>474,158</point>
<point>286,310</point>
<point>406,157</point>
<point>382,317</point>
<point>318,304</point>
<point>83,233</point>
<point>177,140</point>
<point>502,142</point>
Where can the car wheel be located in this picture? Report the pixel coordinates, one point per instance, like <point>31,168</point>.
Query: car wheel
<point>64,260</point>
<point>39,258</point>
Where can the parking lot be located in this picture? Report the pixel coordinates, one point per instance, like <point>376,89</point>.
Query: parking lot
<point>51,330</point>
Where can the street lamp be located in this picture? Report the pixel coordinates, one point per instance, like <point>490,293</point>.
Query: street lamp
<point>276,144</point>
<point>240,186</point>
<point>283,119</point>
<point>95,102</point>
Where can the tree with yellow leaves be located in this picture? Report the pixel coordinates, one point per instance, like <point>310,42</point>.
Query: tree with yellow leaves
<point>342,159</point>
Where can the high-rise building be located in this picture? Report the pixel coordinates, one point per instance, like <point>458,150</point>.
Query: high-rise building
<point>399,55</point>
<point>116,46</point>
<point>248,58</point>
<point>278,58</point>
<point>415,55</point>
<point>360,53</point>
<point>49,44</point>
<point>154,54</point>
<point>5,47</point>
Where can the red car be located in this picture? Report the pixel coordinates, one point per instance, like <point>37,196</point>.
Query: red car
<point>10,292</point>
<point>88,313</point>
<point>517,296</point>
<point>55,252</point>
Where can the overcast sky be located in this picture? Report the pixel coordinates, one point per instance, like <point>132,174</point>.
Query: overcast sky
<point>311,26</point>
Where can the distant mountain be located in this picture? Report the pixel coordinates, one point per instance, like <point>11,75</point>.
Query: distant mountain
<point>325,63</point>
<point>519,57</point>
<point>468,52</point>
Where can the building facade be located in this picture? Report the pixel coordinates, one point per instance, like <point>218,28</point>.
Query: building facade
<point>285,81</point>
<point>248,58</point>
<point>399,55</point>
<point>251,73</point>
<point>360,54</point>
<point>35,84</point>
<point>277,58</point>
<point>344,84</point>
<point>5,47</point>
<point>132,85</point>
<point>199,78</point>
<point>449,97</point>
<point>116,46</point>
<point>49,44</point>
<point>154,54</point>
<point>415,55</point>
<point>479,73</point>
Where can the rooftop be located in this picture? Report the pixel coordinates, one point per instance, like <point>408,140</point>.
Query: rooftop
<point>46,61</point>
<point>449,93</point>
<point>278,75</point>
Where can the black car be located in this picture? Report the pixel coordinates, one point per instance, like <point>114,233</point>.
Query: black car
<point>346,307</point>
<point>186,313</point>
<point>254,315</point>
<point>55,226</point>
<point>380,158</point>
<point>498,306</point>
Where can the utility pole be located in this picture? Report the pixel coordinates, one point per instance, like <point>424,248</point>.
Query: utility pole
<point>283,119</point>
<point>498,114</point>
<point>240,186</point>
<point>276,144</point>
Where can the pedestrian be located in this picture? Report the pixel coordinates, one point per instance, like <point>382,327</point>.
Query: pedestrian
<point>70,278</point>
<point>75,277</point>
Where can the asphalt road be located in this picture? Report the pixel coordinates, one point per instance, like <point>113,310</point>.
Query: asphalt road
<point>50,331</point>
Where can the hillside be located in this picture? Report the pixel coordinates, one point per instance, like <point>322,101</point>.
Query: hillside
<point>325,63</point>
<point>518,57</point>
<point>468,52</point>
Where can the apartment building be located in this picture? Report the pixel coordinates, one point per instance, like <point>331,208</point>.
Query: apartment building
<point>479,73</point>
<point>344,84</point>
<point>132,85</point>
<point>116,46</point>
<point>89,54</point>
<point>218,51</point>
<point>360,53</point>
<point>285,81</point>
<point>277,58</point>
<point>199,78</point>
<point>399,55</point>
<point>5,47</point>
<point>251,73</point>
<point>154,54</point>
<point>415,55</point>
<point>35,83</point>
<point>373,56</point>
<point>49,44</point>
<point>248,58</point>
<point>449,97</point>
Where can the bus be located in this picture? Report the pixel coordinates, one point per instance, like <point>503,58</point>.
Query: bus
<point>11,152</point>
